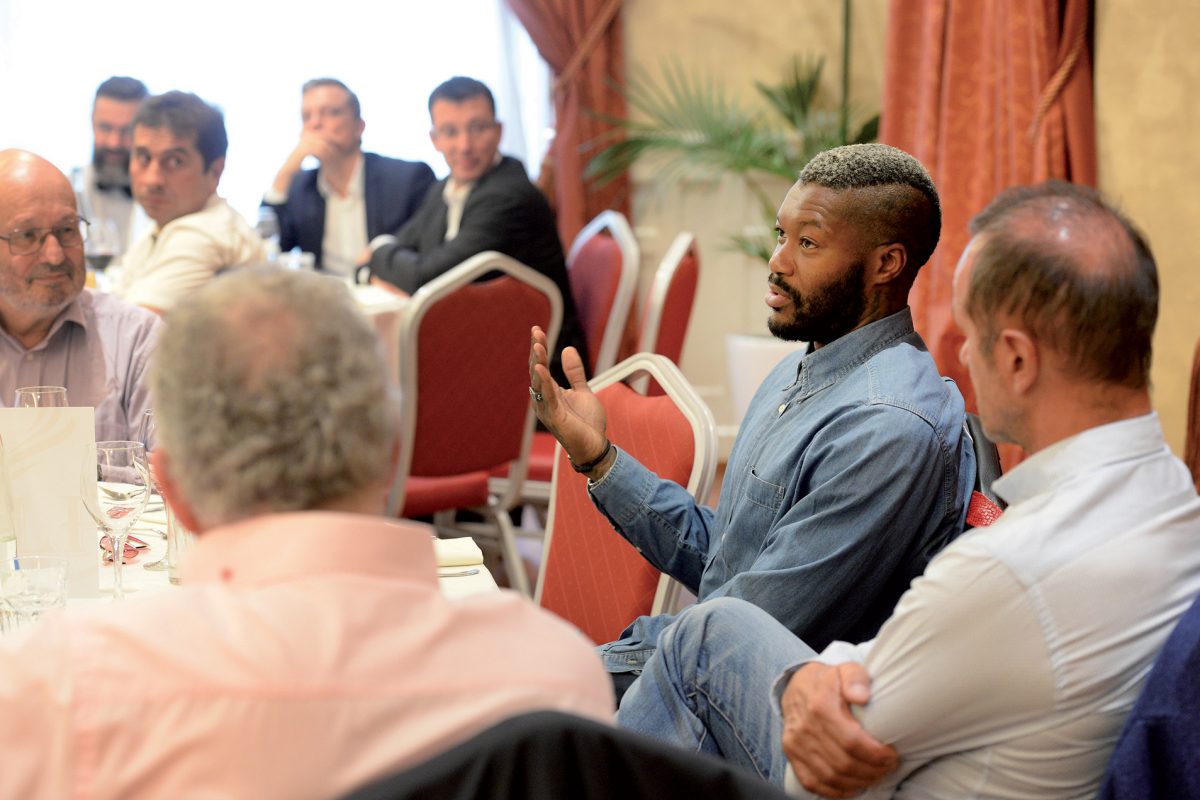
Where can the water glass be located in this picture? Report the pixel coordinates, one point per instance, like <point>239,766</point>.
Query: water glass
<point>31,585</point>
<point>41,397</point>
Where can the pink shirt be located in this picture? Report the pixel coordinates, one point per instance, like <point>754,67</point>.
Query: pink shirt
<point>305,655</point>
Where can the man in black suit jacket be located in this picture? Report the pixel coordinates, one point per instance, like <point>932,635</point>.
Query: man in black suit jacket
<point>334,211</point>
<point>487,203</point>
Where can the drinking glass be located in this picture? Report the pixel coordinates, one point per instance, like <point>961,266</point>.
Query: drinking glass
<point>41,397</point>
<point>31,585</point>
<point>103,242</point>
<point>115,486</point>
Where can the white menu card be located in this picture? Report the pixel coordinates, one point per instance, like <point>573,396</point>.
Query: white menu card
<point>41,472</point>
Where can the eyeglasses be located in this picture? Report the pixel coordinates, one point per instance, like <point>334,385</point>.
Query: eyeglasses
<point>474,128</point>
<point>31,240</point>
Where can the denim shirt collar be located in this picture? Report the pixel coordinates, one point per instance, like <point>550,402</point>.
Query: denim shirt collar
<point>822,368</point>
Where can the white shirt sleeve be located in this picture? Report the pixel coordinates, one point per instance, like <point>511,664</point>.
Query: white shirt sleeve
<point>960,664</point>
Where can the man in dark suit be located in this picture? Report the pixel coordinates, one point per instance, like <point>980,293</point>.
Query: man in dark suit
<point>487,203</point>
<point>334,211</point>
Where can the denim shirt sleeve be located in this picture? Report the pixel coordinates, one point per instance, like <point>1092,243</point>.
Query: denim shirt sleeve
<point>868,487</point>
<point>658,517</point>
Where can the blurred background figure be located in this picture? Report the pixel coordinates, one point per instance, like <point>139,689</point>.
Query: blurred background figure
<point>352,197</point>
<point>102,187</point>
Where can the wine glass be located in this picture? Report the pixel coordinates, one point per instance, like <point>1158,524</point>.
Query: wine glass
<point>103,242</point>
<point>41,397</point>
<point>115,486</point>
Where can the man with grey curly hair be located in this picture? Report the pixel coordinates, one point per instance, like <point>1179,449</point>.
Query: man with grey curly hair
<point>851,467</point>
<point>309,649</point>
<point>269,396</point>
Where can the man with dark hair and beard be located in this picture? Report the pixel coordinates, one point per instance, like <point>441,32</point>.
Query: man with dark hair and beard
<point>102,188</point>
<point>851,468</point>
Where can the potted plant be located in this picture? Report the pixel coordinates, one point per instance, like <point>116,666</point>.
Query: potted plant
<point>690,127</point>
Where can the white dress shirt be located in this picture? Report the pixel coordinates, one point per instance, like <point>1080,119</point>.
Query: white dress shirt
<point>1009,667</point>
<point>345,222</point>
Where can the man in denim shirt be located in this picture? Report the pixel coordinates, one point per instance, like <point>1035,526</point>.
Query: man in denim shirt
<point>851,468</point>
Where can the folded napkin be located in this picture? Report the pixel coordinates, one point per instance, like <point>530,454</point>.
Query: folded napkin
<point>461,552</point>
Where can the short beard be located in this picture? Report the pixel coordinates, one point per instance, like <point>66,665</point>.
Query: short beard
<point>828,314</point>
<point>109,174</point>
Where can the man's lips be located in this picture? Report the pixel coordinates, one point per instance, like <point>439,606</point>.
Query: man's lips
<point>775,298</point>
<point>51,276</point>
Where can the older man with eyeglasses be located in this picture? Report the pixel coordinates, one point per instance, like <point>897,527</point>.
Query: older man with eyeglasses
<point>53,331</point>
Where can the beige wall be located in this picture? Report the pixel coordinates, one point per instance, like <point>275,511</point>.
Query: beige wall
<point>1148,129</point>
<point>736,44</point>
<point>1148,132</point>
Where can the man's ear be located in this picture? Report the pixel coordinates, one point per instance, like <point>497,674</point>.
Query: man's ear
<point>1017,359</point>
<point>888,262</point>
<point>216,168</point>
<point>168,487</point>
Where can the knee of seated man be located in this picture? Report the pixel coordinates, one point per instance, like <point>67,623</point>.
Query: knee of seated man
<point>715,624</point>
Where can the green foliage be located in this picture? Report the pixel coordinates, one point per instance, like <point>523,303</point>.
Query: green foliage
<point>692,128</point>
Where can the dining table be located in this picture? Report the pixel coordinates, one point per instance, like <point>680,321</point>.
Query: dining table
<point>383,309</point>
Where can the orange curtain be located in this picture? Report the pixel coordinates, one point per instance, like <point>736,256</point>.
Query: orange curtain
<point>987,94</point>
<point>581,41</point>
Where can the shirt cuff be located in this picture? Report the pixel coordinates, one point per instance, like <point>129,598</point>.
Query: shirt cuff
<point>836,653</point>
<point>380,241</point>
<point>623,490</point>
<point>274,198</point>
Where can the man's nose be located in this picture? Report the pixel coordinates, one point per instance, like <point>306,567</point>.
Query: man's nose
<point>52,250</point>
<point>149,173</point>
<point>778,264</point>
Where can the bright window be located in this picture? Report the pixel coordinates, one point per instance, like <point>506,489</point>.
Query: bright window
<point>250,58</point>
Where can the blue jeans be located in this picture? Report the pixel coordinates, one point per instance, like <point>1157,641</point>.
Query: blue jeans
<point>708,687</point>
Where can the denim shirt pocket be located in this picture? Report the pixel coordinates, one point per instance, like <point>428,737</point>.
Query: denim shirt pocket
<point>751,521</point>
<point>761,493</point>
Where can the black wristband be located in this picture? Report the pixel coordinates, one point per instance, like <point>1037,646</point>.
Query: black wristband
<point>587,467</point>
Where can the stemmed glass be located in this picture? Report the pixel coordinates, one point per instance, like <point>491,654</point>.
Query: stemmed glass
<point>115,486</point>
<point>40,397</point>
<point>103,242</point>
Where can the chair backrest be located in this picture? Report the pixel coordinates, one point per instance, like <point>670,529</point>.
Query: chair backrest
<point>669,301</point>
<point>985,505</point>
<point>602,267</point>
<point>464,344</point>
<point>668,305</point>
<point>590,575</point>
<point>549,754</point>
<point>987,459</point>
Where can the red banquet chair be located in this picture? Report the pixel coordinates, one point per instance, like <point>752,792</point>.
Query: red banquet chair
<point>590,575</point>
<point>668,306</point>
<point>465,401</point>
<point>602,267</point>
